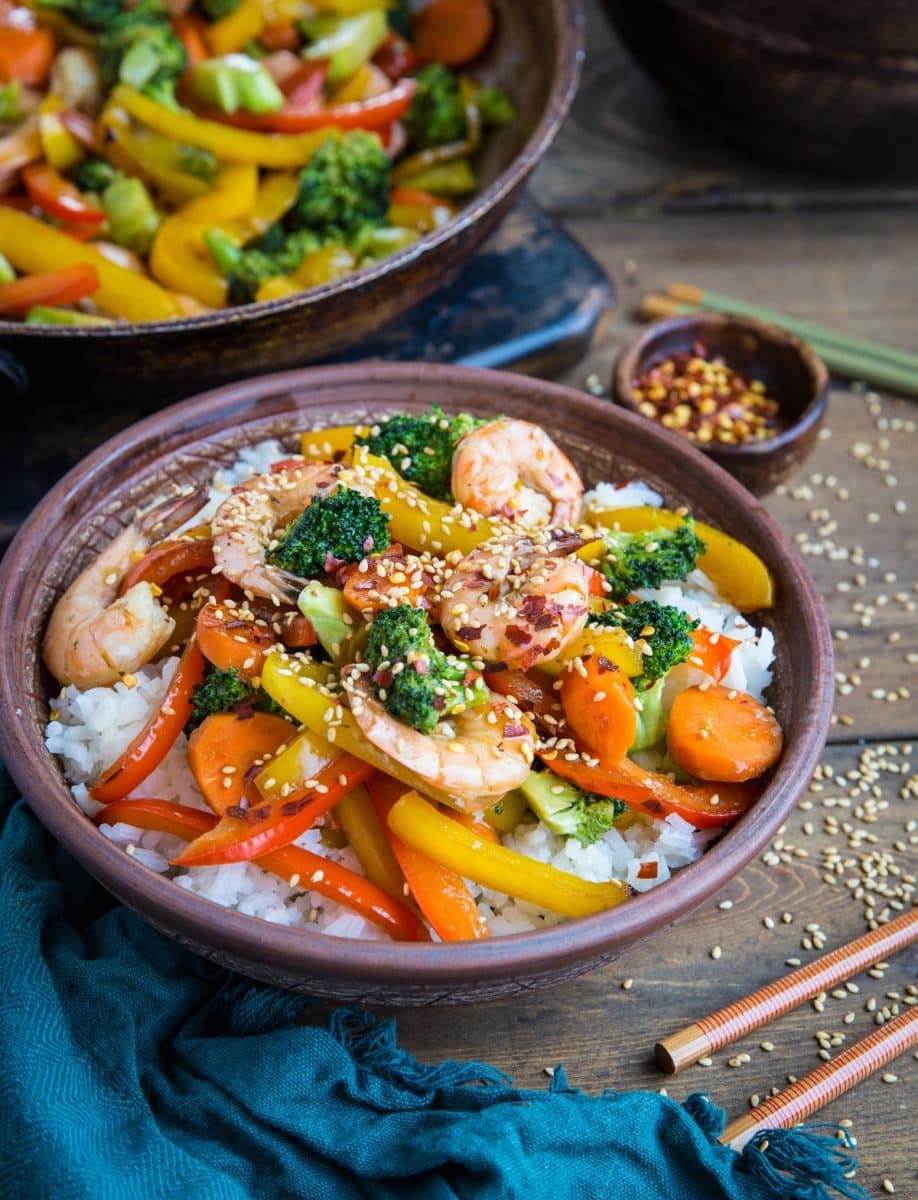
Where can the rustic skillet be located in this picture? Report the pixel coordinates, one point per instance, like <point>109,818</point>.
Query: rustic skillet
<point>185,443</point>
<point>535,55</point>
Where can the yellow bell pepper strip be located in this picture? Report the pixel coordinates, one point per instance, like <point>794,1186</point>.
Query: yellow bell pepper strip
<point>612,644</point>
<point>232,197</point>
<point>231,32</point>
<point>737,572</point>
<point>275,198</point>
<point>294,864</point>
<point>277,287</point>
<point>418,823</point>
<point>60,147</point>
<point>369,841</point>
<point>354,89</point>
<point>416,520</point>
<point>34,247</point>
<point>304,756</point>
<point>156,158</point>
<point>332,444</point>
<point>181,261</point>
<point>323,266</point>
<point>440,893</point>
<point>295,685</point>
<point>226,142</point>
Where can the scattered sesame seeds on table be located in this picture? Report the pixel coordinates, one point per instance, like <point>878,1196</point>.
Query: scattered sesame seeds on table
<point>654,205</point>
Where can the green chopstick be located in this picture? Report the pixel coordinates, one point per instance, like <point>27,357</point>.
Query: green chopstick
<point>838,353</point>
<point>809,330</point>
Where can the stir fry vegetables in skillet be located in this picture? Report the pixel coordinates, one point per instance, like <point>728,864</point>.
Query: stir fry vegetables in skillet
<point>496,699</point>
<point>167,157</point>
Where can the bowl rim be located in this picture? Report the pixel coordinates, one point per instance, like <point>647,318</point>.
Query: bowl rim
<point>568,61</point>
<point>769,334</point>
<point>452,965</point>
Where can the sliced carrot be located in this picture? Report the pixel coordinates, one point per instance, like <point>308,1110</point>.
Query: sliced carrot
<point>712,652</point>
<point>388,575</point>
<point>296,631</point>
<point>440,893</point>
<point>599,705</point>
<point>453,31</point>
<point>25,54</point>
<point>702,805</point>
<point>723,735</point>
<point>231,643</point>
<point>531,690</point>
<point>225,747</point>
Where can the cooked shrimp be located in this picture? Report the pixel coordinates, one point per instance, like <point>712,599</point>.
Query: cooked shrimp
<point>95,636</point>
<point>473,757</point>
<point>513,469</point>
<point>246,522</point>
<point>519,603</point>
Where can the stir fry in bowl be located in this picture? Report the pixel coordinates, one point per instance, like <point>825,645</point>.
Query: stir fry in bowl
<point>409,680</point>
<point>163,159</point>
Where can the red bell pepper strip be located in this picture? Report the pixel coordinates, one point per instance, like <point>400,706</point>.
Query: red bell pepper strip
<point>25,54</point>
<point>440,893</point>
<point>245,834</point>
<point>155,740</point>
<point>303,87</point>
<point>57,197</point>
<point>712,656</point>
<point>54,287</point>
<point>373,113</point>
<point>159,565</point>
<point>293,863</point>
<point>702,805</point>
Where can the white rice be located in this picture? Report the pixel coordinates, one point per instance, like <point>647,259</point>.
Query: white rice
<point>88,730</point>
<point>635,494</point>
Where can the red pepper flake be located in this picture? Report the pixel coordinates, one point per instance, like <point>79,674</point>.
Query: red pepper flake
<point>647,870</point>
<point>706,400</point>
<point>518,636</point>
<point>470,633</point>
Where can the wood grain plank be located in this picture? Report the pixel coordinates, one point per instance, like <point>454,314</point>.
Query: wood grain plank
<point>604,1033</point>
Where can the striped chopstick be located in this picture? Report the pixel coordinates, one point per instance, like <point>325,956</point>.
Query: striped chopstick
<point>801,1099</point>
<point>708,1034</point>
<point>881,367</point>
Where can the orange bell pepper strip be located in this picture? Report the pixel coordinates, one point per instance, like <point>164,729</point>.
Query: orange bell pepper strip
<point>293,864</point>
<point>159,565</point>
<point>224,748</point>
<point>25,54</point>
<point>190,32</point>
<point>155,740</point>
<point>368,838</point>
<point>54,287</point>
<point>712,652</point>
<point>440,893</point>
<point>50,191</point>
<point>244,834</point>
<point>702,805</point>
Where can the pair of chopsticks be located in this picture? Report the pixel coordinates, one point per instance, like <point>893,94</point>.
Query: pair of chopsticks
<point>844,355</point>
<point>799,1100</point>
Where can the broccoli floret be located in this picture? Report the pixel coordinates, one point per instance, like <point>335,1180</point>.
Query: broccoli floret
<point>91,14</point>
<point>343,188</point>
<point>437,113</point>
<point>493,106</point>
<point>420,446</point>
<point>216,10</point>
<point>569,811</point>
<point>645,560</point>
<point>224,691</point>
<point>666,630</point>
<point>138,47</point>
<point>94,175</point>
<point>342,528</point>
<point>247,267</point>
<point>417,682</point>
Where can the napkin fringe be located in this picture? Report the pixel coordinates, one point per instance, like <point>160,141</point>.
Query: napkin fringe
<point>813,1158</point>
<point>372,1044</point>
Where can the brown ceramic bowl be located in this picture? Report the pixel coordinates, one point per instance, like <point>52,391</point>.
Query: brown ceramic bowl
<point>185,443</point>
<point>795,376</point>
<point>534,55</point>
<point>825,86</point>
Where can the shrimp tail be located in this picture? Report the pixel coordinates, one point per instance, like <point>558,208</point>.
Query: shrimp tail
<point>167,516</point>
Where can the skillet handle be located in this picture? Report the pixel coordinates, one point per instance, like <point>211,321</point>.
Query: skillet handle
<point>14,378</point>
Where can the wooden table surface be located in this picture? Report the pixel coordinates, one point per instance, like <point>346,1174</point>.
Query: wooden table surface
<point>655,202</point>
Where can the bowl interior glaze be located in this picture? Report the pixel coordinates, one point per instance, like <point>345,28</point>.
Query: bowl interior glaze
<point>184,444</point>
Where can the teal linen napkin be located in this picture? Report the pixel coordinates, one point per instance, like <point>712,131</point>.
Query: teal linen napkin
<point>131,1068</point>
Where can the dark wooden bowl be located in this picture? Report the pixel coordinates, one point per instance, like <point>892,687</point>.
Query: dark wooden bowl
<point>535,56</point>
<point>824,86</point>
<point>185,443</point>
<point>795,375</point>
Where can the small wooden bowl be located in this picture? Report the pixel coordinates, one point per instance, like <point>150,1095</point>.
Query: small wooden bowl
<point>795,376</point>
<point>185,444</point>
